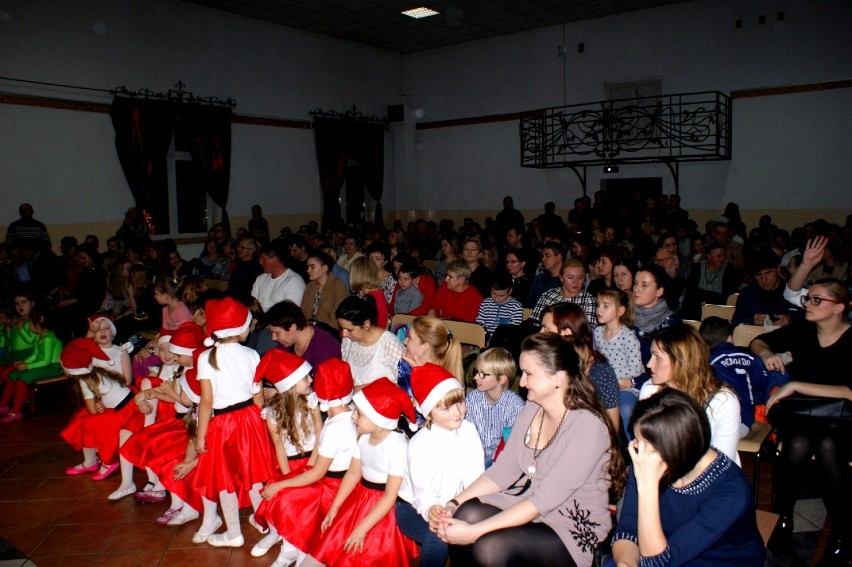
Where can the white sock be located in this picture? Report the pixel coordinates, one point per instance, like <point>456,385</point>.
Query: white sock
<point>126,466</point>
<point>269,539</point>
<point>254,495</point>
<point>209,519</point>
<point>152,417</point>
<point>177,502</point>
<point>231,513</point>
<point>90,456</point>
<point>153,479</point>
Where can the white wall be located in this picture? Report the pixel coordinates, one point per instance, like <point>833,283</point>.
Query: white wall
<point>788,150</point>
<point>65,162</point>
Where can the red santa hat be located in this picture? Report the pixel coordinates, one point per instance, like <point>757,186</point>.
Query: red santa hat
<point>189,382</point>
<point>186,339</point>
<point>226,318</point>
<point>383,403</point>
<point>77,356</point>
<point>333,384</point>
<point>430,383</point>
<point>98,317</point>
<point>283,369</point>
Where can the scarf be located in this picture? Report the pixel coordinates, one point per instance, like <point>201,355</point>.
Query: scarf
<point>649,319</point>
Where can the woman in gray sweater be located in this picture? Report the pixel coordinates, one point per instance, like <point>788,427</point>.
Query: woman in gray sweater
<point>545,500</point>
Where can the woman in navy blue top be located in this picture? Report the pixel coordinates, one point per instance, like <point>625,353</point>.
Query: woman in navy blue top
<point>686,503</point>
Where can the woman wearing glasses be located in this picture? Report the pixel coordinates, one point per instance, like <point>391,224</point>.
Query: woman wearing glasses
<point>820,348</point>
<point>544,501</point>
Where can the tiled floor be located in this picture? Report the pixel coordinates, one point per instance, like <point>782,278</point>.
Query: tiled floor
<point>53,519</point>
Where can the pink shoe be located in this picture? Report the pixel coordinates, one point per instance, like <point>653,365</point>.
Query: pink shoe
<point>168,515</point>
<point>102,475</point>
<point>11,418</point>
<point>79,469</point>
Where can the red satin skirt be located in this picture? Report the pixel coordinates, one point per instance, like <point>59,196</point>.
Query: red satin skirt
<point>239,455</point>
<point>161,447</point>
<point>292,511</point>
<point>384,546</point>
<point>100,430</point>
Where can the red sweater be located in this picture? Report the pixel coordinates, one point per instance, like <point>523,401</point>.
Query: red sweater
<point>458,306</point>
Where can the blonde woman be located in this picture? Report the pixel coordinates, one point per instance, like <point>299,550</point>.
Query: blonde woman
<point>680,360</point>
<point>429,340</point>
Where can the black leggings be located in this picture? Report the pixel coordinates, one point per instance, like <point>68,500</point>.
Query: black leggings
<point>530,544</point>
<point>831,449</point>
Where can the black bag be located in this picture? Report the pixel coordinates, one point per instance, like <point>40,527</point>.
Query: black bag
<point>798,412</point>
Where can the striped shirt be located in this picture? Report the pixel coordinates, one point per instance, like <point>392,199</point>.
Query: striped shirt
<point>490,419</point>
<point>492,314</point>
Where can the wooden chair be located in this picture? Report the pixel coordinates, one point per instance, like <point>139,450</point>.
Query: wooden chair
<point>744,334</point>
<point>692,323</point>
<point>723,311</point>
<point>752,443</point>
<point>37,385</point>
<point>401,319</point>
<point>467,333</point>
<point>430,264</point>
<point>221,285</point>
<point>732,299</point>
<point>527,313</point>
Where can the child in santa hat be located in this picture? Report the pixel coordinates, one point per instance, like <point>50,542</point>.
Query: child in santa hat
<point>109,418</point>
<point>295,506</point>
<point>443,459</point>
<point>360,527</point>
<point>235,454</point>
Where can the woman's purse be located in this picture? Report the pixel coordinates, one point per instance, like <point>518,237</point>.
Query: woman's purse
<point>797,412</point>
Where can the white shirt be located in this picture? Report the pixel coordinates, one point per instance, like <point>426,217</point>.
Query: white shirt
<point>723,412</point>
<point>234,381</point>
<point>383,460</point>
<point>114,353</point>
<point>441,463</point>
<point>268,291</point>
<point>380,360</point>
<point>339,441</point>
<point>110,392</point>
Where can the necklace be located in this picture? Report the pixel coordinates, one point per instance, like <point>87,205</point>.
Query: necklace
<point>710,281</point>
<point>536,451</point>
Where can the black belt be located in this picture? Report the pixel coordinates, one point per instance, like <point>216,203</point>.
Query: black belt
<point>335,474</point>
<point>124,402</point>
<point>299,456</point>
<point>233,407</point>
<point>373,485</point>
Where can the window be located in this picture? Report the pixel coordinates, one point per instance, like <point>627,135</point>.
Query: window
<point>636,103</point>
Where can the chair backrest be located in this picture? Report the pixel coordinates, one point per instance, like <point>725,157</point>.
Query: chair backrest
<point>221,285</point>
<point>723,311</point>
<point>692,323</point>
<point>732,299</point>
<point>430,264</point>
<point>527,313</point>
<point>467,333</point>
<point>401,319</point>
<point>744,334</point>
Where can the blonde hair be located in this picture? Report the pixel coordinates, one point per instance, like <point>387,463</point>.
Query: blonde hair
<point>620,298</point>
<point>363,275</point>
<point>292,416</point>
<point>451,398</point>
<point>446,348</point>
<point>499,362</point>
<point>689,357</point>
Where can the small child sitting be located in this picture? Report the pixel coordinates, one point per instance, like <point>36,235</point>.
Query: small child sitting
<point>408,296</point>
<point>501,308</point>
<point>492,406</point>
<point>736,367</point>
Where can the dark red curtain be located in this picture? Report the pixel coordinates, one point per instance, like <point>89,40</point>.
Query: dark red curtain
<point>210,131</point>
<point>143,133</point>
<point>367,145</point>
<point>331,137</point>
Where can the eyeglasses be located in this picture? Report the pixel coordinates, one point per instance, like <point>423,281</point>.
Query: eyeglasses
<point>483,374</point>
<point>815,301</point>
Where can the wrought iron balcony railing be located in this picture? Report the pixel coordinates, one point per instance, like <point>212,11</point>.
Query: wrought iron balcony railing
<point>667,129</point>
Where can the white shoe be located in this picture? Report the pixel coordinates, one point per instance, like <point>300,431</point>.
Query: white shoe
<point>259,549</point>
<point>257,526</point>
<point>122,492</point>
<point>222,540</point>
<point>184,516</point>
<point>287,557</point>
<point>199,537</point>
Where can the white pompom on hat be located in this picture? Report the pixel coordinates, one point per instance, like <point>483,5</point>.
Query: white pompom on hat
<point>383,403</point>
<point>333,384</point>
<point>283,369</point>
<point>430,383</point>
<point>226,318</point>
<point>77,357</point>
